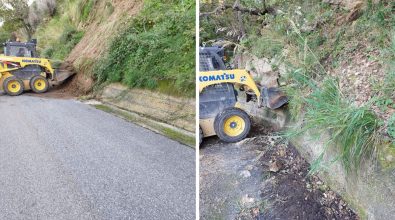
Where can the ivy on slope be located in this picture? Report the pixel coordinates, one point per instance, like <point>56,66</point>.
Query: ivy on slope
<point>157,49</point>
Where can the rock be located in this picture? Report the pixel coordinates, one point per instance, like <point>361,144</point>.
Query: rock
<point>245,200</point>
<point>270,79</point>
<point>261,68</point>
<point>275,166</point>
<point>333,2</point>
<point>281,152</point>
<point>353,15</point>
<point>354,5</point>
<point>255,212</point>
<point>245,173</point>
<point>249,167</point>
<point>347,4</point>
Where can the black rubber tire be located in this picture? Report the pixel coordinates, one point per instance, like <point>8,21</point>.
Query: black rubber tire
<point>32,81</point>
<point>221,118</point>
<point>8,80</point>
<point>200,135</point>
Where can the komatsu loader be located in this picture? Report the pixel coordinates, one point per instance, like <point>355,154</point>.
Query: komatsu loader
<point>21,69</point>
<point>221,112</point>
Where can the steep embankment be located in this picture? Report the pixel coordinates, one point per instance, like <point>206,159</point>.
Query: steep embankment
<point>101,27</point>
<point>335,59</point>
<point>139,44</point>
<point>147,44</point>
<point>99,32</point>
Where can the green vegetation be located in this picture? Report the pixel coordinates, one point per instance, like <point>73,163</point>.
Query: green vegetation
<point>59,49</point>
<point>4,37</point>
<point>389,83</point>
<point>355,130</point>
<point>391,126</point>
<point>157,47</point>
<point>86,10</point>
<point>15,16</point>
<point>154,50</point>
<point>58,36</point>
<point>308,39</point>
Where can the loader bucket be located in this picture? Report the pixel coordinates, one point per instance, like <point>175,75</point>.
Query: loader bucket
<point>62,75</point>
<point>273,98</point>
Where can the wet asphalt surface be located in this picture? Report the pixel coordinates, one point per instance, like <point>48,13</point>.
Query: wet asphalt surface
<point>62,159</point>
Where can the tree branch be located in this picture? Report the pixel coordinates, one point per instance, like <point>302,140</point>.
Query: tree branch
<point>237,7</point>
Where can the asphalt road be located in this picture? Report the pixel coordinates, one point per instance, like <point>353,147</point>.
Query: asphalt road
<point>62,159</point>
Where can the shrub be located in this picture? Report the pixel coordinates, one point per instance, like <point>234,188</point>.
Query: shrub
<point>48,52</point>
<point>158,46</point>
<point>391,127</point>
<point>86,9</point>
<point>66,42</point>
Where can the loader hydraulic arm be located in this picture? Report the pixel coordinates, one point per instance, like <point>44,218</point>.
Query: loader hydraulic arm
<point>237,77</point>
<point>9,64</point>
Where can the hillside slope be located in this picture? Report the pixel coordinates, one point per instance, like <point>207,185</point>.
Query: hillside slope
<point>137,43</point>
<point>99,32</point>
<point>335,59</point>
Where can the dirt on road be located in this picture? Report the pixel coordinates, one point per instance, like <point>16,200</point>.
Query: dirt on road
<point>263,178</point>
<point>68,84</point>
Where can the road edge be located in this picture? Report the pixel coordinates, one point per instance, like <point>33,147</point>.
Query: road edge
<point>182,136</point>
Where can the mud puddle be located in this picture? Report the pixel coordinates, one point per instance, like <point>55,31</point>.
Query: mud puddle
<point>263,178</point>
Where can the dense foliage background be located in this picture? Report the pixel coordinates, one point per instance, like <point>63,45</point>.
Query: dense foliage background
<point>157,50</point>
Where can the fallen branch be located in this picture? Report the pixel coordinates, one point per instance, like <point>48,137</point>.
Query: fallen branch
<point>251,11</point>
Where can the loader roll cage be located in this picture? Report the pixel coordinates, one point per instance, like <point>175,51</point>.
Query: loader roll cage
<point>213,71</point>
<point>18,49</point>
<point>211,59</point>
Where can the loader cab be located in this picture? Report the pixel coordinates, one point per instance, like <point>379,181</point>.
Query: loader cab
<point>215,98</point>
<point>211,59</point>
<point>18,49</point>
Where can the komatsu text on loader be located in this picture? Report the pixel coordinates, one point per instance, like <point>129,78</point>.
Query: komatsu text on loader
<point>221,113</point>
<point>21,69</point>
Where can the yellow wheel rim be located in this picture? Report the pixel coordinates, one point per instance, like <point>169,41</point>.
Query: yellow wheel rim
<point>234,126</point>
<point>40,84</point>
<point>14,86</point>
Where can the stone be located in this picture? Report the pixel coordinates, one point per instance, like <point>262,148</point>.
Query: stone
<point>275,166</point>
<point>249,167</point>
<point>245,200</point>
<point>245,173</point>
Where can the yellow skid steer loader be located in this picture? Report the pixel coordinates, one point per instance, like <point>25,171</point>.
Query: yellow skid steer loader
<point>21,69</point>
<point>221,113</point>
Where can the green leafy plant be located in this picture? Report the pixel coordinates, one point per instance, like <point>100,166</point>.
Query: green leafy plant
<point>158,47</point>
<point>391,127</point>
<point>86,9</point>
<point>66,42</point>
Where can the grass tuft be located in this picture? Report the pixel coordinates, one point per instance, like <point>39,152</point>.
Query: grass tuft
<point>353,130</point>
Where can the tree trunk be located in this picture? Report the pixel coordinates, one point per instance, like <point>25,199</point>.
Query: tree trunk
<point>29,31</point>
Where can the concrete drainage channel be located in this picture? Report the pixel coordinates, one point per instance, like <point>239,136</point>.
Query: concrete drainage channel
<point>172,132</point>
<point>170,116</point>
